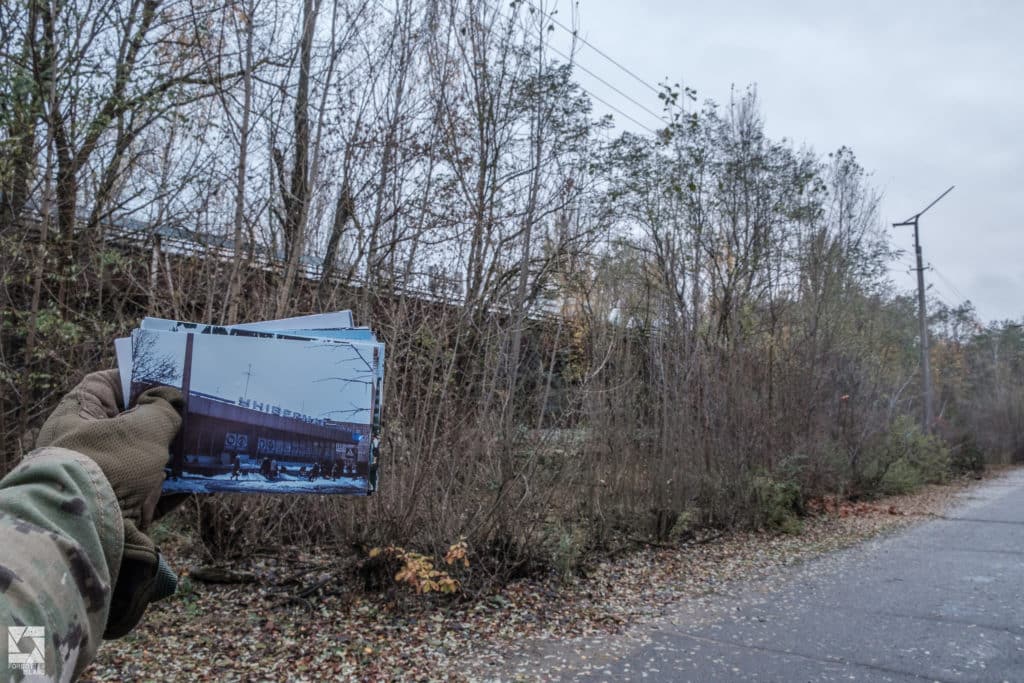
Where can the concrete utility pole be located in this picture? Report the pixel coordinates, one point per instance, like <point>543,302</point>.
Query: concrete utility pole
<point>922,315</point>
<point>248,376</point>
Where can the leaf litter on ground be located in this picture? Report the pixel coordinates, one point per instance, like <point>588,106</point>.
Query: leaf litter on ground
<point>258,631</point>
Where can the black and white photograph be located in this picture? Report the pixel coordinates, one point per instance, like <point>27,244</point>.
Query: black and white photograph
<point>270,331</point>
<point>264,415</point>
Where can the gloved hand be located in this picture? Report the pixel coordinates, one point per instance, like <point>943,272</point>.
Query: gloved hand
<point>132,449</point>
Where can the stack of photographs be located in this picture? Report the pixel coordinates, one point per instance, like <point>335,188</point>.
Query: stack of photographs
<point>280,406</point>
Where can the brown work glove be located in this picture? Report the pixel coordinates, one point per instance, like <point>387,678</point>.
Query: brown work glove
<point>132,449</point>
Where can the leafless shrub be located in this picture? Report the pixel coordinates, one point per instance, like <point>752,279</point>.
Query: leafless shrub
<point>588,341</point>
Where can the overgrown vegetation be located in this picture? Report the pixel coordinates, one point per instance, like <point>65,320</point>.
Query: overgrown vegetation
<point>589,340</point>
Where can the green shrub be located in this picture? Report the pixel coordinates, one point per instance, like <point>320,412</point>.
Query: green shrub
<point>686,524</point>
<point>967,457</point>
<point>779,504</point>
<point>821,467</point>
<point>900,477</point>
<point>905,459</point>
<point>565,547</point>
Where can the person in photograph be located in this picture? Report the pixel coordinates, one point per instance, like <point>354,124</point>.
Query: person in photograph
<point>374,454</point>
<point>77,509</point>
<point>236,466</point>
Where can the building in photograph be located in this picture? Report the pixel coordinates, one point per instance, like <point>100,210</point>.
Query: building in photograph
<point>218,430</point>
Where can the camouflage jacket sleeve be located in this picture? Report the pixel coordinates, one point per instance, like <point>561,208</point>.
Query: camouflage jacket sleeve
<point>61,539</point>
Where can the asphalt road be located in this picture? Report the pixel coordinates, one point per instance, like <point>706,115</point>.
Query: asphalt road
<point>942,601</point>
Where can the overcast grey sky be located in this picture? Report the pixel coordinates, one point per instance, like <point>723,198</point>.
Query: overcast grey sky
<point>320,379</point>
<point>927,94</point>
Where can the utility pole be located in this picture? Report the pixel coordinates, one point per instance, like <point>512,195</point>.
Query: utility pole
<point>922,316</point>
<point>248,375</point>
<point>179,445</point>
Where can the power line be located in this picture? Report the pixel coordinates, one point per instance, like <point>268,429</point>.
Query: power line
<point>611,106</point>
<point>618,111</point>
<point>948,282</point>
<point>938,294</point>
<point>592,95</point>
<point>586,70</point>
<point>593,47</point>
